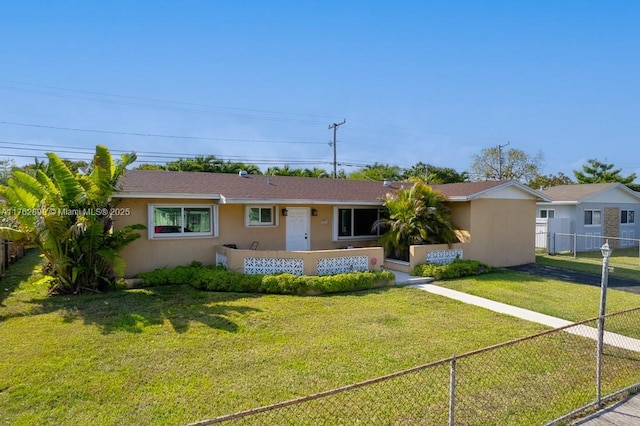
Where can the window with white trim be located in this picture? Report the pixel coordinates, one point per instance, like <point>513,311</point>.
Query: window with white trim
<point>260,216</point>
<point>547,213</point>
<point>592,217</point>
<point>181,220</point>
<point>627,216</point>
<point>357,222</point>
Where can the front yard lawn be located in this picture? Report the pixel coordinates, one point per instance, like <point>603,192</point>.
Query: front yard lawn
<point>626,262</point>
<point>574,302</point>
<point>173,355</point>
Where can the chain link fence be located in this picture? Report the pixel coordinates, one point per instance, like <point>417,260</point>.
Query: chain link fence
<point>584,244</point>
<point>545,378</point>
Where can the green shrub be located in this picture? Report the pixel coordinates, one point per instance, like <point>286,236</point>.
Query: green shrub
<point>456,269</point>
<point>217,278</point>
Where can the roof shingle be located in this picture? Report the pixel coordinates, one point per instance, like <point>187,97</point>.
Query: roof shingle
<point>261,187</point>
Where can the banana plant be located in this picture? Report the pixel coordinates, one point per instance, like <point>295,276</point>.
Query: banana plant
<point>67,216</point>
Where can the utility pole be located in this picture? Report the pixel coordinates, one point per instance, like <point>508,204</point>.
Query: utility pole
<point>335,126</point>
<point>500,159</point>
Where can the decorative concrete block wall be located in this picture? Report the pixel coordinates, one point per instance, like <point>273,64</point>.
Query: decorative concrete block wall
<point>270,265</point>
<point>443,257</point>
<point>338,265</point>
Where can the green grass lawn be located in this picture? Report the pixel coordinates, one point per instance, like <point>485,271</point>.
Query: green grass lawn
<point>570,301</point>
<point>173,355</point>
<point>626,262</point>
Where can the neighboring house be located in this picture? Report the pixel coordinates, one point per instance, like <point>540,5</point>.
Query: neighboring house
<point>592,212</point>
<point>189,214</point>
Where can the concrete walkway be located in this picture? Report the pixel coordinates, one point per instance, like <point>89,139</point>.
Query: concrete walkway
<point>612,339</point>
<point>624,413</point>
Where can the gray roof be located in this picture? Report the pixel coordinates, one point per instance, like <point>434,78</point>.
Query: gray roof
<point>578,192</point>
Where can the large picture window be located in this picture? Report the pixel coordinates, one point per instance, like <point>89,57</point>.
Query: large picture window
<point>356,222</point>
<point>183,221</point>
<point>260,216</point>
<point>592,217</point>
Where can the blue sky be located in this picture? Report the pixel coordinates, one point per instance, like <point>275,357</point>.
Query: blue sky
<point>261,82</point>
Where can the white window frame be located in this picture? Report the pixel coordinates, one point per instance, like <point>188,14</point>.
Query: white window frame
<point>336,223</point>
<point>633,217</point>
<point>152,235</point>
<point>599,223</point>
<point>274,216</point>
<point>549,213</point>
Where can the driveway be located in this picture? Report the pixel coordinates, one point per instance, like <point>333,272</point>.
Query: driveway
<point>562,274</point>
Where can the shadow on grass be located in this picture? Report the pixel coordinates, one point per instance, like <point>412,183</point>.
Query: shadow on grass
<point>133,310</point>
<point>19,272</point>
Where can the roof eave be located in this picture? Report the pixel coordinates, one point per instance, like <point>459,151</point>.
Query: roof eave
<point>559,203</point>
<point>299,201</point>
<point>167,195</point>
<point>540,196</point>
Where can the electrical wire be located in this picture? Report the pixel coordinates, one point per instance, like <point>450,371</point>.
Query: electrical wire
<point>152,135</point>
<point>157,104</point>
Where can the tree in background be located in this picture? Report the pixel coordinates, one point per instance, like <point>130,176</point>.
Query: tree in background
<point>150,166</point>
<point>285,170</point>
<point>495,163</point>
<point>428,173</point>
<point>542,182</point>
<point>415,215</point>
<point>236,167</point>
<point>6,167</point>
<point>68,217</point>
<point>199,163</point>
<point>377,172</point>
<point>597,172</point>
<point>207,164</point>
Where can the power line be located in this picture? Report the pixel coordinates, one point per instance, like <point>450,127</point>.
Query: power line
<point>144,155</point>
<point>134,101</point>
<point>153,135</point>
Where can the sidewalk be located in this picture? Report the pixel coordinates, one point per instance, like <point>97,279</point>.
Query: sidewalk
<point>625,412</point>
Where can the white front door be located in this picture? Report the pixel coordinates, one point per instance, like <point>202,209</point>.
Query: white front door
<point>298,237</point>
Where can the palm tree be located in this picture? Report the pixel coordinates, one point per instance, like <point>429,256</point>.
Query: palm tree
<point>416,215</point>
<point>286,170</point>
<point>316,172</point>
<point>68,216</point>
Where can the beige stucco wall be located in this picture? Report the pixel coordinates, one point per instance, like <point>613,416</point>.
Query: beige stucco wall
<point>145,255</point>
<point>499,232</point>
<point>419,253</point>
<point>502,231</point>
<point>461,214</point>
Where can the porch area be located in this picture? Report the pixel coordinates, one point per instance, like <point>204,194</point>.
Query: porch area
<point>316,262</point>
<point>329,262</point>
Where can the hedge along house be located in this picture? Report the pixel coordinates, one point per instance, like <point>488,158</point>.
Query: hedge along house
<point>592,212</point>
<point>217,218</point>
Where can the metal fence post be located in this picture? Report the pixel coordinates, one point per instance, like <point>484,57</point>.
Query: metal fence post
<point>603,302</point>
<point>575,245</point>
<point>452,391</point>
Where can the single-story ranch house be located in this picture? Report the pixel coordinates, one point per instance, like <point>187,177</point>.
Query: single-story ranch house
<point>257,223</point>
<point>591,211</point>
